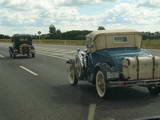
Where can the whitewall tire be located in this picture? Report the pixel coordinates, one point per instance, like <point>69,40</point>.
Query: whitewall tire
<point>101,86</point>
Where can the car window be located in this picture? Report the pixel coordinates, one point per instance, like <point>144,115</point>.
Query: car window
<point>120,39</point>
<point>23,39</point>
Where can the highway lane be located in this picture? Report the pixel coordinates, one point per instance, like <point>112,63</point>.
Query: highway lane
<point>48,96</point>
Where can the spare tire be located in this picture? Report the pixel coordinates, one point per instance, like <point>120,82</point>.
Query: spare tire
<point>79,69</point>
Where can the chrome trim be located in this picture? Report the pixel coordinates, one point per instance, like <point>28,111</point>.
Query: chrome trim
<point>134,83</point>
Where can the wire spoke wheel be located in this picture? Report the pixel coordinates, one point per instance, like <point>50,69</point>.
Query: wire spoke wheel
<point>100,84</point>
<point>71,75</point>
<point>78,68</point>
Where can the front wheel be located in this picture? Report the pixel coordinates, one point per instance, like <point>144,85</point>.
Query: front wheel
<point>73,80</point>
<point>154,90</point>
<point>101,84</point>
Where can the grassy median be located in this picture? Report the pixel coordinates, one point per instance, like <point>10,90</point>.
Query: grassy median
<point>56,42</point>
<point>149,44</point>
<point>60,42</point>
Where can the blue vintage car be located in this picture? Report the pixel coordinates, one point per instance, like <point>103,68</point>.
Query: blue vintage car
<point>115,59</point>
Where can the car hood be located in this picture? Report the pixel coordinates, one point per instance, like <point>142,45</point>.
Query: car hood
<point>118,54</point>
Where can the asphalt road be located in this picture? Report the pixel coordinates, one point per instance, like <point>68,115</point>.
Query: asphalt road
<point>38,89</point>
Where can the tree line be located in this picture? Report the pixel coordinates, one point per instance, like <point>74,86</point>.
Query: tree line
<point>151,36</point>
<point>2,36</point>
<point>55,33</point>
<point>80,34</point>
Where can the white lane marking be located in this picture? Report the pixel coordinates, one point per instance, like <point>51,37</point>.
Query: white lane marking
<point>1,56</point>
<point>54,49</point>
<point>53,56</point>
<point>57,50</point>
<point>70,52</point>
<point>92,109</point>
<point>26,69</point>
<point>57,54</point>
<point>51,53</point>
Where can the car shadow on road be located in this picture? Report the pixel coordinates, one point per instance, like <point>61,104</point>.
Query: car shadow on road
<point>17,58</point>
<point>23,57</point>
<point>85,94</point>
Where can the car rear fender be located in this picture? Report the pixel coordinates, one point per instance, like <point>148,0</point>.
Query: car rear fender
<point>99,66</point>
<point>103,66</point>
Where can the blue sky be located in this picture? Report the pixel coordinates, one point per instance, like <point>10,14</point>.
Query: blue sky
<point>30,16</point>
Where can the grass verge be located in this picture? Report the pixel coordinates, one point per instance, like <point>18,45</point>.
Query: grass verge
<point>151,44</point>
<point>55,42</point>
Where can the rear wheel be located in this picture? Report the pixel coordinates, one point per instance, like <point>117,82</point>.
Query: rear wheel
<point>10,55</point>
<point>101,84</point>
<point>154,90</point>
<point>14,56</point>
<point>28,54</point>
<point>33,55</point>
<point>10,52</point>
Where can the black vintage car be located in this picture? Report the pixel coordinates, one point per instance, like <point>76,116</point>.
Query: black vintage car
<point>21,45</point>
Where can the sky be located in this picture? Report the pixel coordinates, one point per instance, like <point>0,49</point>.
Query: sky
<point>31,16</point>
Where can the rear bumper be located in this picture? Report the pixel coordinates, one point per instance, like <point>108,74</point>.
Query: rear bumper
<point>143,83</point>
<point>24,51</point>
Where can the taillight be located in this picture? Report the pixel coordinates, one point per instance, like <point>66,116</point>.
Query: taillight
<point>124,84</point>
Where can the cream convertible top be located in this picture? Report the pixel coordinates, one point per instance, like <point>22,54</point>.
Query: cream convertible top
<point>113,39</point>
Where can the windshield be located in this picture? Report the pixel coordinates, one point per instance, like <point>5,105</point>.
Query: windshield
<point>17,41</point>
<point>44,75</point>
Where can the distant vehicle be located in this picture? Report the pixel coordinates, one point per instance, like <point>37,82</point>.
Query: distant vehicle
<point>21,45</point>
<point>115,59</point>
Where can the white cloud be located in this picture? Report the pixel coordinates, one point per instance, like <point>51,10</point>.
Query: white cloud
<point>24,4</point>
<point>130,13</point>
<point>149,3</point>
<point>31,15</point>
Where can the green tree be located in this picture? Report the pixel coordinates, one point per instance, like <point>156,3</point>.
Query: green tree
<point>52,31</point>
<point>39,34</point>
<point>101,28</point>
<point>75,34</point>
<point>58,34</point>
